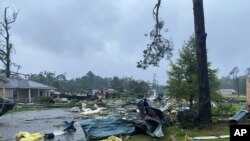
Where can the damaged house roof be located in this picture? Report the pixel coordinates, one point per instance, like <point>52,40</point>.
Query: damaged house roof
<point>3,79</point>
<point>26,84</point>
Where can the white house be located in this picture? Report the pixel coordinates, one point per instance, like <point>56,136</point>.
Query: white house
<point>23,90</point>
<point>3,82</point>
<point>226,91</point>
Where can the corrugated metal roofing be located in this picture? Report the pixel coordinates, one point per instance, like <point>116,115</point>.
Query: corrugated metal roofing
<point>26,84</point>
<point>243,111</point>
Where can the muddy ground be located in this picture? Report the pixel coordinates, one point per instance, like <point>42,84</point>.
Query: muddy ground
<point>42,121</point>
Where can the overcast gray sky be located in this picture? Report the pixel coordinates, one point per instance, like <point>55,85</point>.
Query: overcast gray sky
<point>107,36</point>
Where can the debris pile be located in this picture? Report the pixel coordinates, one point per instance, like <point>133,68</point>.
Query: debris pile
<point>149,120</point>
<point>6,105</point>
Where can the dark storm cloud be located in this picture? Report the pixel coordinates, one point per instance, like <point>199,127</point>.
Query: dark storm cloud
<point>64,26</point>
<point>228,34</point>
<point>100,34</point>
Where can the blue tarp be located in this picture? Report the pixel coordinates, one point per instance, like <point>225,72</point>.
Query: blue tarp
<point>149,121</point>
<point>102,128</point>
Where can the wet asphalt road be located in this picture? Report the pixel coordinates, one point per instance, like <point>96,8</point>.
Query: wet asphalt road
<point>42,121</point>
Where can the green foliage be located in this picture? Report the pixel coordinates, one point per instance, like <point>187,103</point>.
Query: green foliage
<point>88,82</point>
<point>169,119</point>
<point>229,83</point>
<point>74,101</point>
<point>139,87</point>
<point>116,83</point>
<point>186,118</point>
<point>182,82</point>
<point>224,110</point>
<point>178,133</point>
<point>44,99</point>
<point>159,46</point>
<point>226,83</point>
<point>27,108</point>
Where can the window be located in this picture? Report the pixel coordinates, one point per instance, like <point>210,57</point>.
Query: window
<point>41,93</point>
<point>15,94</point>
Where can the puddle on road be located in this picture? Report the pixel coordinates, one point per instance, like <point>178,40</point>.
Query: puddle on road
<point>42,121</point>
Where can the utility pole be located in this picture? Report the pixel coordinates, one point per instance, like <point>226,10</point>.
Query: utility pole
<point>154,84</point>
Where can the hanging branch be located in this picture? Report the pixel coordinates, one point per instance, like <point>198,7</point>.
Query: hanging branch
<point>155,15</point>
<point>159,47</point>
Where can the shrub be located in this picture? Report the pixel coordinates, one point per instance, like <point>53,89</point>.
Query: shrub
<point>225,110</point>
<point>74,101</point>
<point>44,99</point>
<point>186,118</point>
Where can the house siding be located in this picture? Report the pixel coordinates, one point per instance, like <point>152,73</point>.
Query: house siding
<point>8,93</point>
<point>227,91</point>
<point>1,93</point>
<point>23,95</point>
<point>248,91</point>
<point>23,90</point>
<point>2,85</point>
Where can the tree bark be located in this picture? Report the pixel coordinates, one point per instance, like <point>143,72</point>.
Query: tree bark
<point>238,87</point>
<point>8,62</point>
<point>7,47</point>
<point>191,102</point>
<point>204,115</point>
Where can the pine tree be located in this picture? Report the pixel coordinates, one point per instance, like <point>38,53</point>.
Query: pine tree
<point>182,82</point>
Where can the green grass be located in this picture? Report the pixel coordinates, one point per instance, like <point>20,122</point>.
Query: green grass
<point>214,130</point>
<point>179,134</point>
<point>20,108</point>
<point>236,97</point>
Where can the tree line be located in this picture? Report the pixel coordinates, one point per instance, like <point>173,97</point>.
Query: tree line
<point>239,84</point>
<point>91,81</point>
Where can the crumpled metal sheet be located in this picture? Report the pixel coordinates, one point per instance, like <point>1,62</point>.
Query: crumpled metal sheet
<point>6,105</point>
<point>149,121</point>
<point>102,128</point>
<point>151,118</point>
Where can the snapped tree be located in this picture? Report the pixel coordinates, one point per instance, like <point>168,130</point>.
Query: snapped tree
<point>234,73</point>
<point>6,46</point>
<point>204,101</point>
<point>159,47</point>
<point>247,71</point>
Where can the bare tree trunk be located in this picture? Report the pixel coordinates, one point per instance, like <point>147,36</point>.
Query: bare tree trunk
<point>7,47</point>
<point>8,62</point>
<point>204,115</point>
<point>238,87</point>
